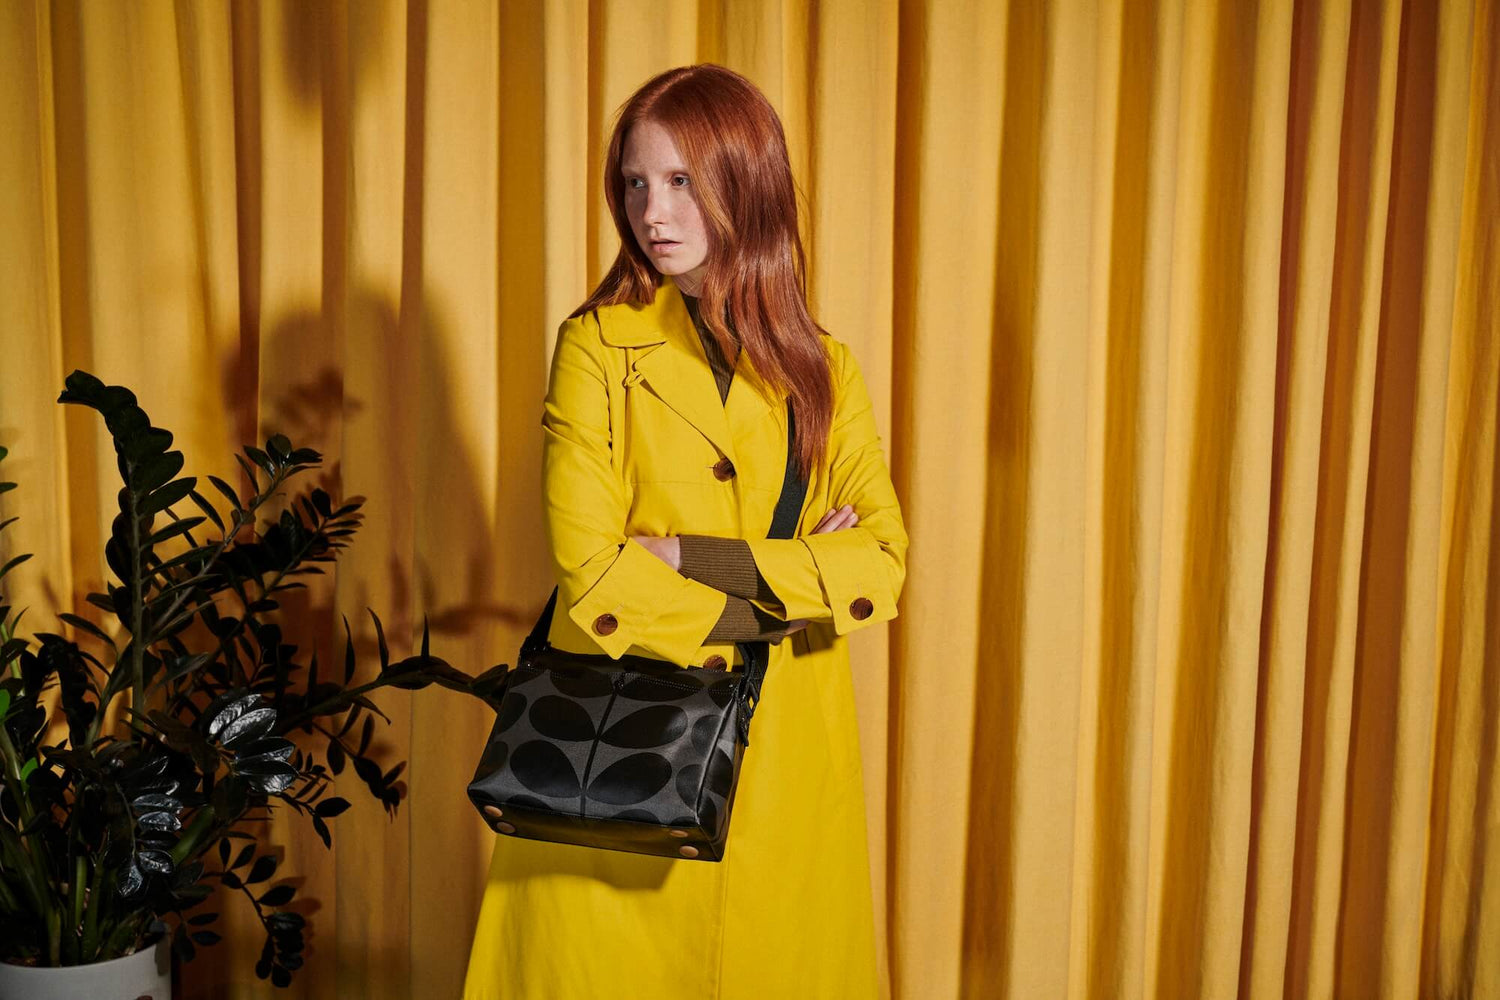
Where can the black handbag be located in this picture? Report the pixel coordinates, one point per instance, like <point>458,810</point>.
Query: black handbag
<point>632,754</point>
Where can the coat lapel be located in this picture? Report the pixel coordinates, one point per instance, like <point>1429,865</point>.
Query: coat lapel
<point>674,368</point>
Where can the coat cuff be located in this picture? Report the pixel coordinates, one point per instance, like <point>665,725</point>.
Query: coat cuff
<point>834,574</point>
<point>641,601</point>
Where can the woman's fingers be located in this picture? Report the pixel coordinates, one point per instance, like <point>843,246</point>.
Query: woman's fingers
<point>842,517</point>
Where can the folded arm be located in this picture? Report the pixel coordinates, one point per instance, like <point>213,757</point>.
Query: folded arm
<point>615,589</point>
<point>851,577</point>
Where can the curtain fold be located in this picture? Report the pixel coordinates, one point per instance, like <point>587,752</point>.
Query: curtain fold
<point>1182,321</point>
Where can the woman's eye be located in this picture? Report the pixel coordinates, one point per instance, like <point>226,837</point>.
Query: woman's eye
<point>630,182</point>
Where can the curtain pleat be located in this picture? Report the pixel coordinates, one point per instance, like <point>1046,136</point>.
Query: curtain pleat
<point>1182,322</point>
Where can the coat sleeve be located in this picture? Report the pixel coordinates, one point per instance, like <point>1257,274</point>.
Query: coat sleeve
<point>830,576</point>
<point>617,592</point>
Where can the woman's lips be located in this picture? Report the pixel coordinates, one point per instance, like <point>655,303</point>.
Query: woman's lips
<point>664,246</point>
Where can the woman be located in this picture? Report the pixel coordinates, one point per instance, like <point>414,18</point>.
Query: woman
<point>665,444</point>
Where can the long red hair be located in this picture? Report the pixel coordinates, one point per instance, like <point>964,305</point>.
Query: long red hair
<point>735,152</point>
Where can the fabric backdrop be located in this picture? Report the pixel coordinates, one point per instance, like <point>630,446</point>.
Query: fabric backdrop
<point>1181,319</point>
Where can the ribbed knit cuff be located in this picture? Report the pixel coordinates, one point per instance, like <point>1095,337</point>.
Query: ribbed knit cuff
<point>724,564</point>
<point>744,622</point>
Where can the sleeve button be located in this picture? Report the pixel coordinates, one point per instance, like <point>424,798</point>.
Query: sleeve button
<point>861,608</point>
<point>715,662</point>
<point>606,623</point>
<point>723,470</point>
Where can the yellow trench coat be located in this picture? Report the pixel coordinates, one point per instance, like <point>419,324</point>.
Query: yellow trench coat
<point>633,427</point>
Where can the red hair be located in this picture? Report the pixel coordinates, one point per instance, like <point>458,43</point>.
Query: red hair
<point>735,152</point>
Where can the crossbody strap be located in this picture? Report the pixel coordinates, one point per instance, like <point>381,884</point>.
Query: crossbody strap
<point>757,655</point>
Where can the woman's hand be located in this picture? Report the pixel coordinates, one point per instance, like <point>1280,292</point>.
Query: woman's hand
<point>668,550</point>
<point>841,517</point>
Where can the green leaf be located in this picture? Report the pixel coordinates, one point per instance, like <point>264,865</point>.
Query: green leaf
<point>133,434</point>
<point>166,496</point>
<point>178,527</point>
<point>250,726</point>
<point>87,626</point>
<point>261,459</point>
<point>18,560</point>
<point>186,665</point>
<point>249,472</point>
<point>279,446</point>
<point>208,509</point>
<point>154,472</point>
<point>227,707</point>
<point>228,491</point>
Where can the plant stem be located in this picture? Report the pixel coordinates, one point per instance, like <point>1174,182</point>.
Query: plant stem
<point>345,696</point>
<point>54,938</point>
<point>79,878</point>
<point>31,858</point>
<point>187,844</point>
<point>89,946</point>
<point>34,881</point>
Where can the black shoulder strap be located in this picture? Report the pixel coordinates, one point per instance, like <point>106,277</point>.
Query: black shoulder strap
<point>783,525</point>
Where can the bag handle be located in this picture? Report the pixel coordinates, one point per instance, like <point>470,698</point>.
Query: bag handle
<point>757,654</point>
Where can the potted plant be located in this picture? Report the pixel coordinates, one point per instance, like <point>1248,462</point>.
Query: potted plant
<point>110,840</point>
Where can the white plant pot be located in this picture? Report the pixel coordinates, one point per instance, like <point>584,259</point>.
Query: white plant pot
<point>147,973</point>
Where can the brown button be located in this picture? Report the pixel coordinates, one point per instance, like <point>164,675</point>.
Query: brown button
<point>504,827</point>
<point>715,662</point>
<point>861,608</point>
<point>606,623</point>
<point>688,852</point>
<point>677,833</point>
<point>493,812</point>
<point>723,470</point>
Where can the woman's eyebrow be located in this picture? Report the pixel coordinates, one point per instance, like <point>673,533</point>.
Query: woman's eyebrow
<point>632,170</point>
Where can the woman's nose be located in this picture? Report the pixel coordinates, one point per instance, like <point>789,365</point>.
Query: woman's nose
<point>655,208</point>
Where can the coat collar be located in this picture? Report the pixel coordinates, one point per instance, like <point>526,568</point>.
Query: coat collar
<point>674,368</point>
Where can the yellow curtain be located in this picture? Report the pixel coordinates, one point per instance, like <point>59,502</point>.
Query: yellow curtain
<point>1184,323</point>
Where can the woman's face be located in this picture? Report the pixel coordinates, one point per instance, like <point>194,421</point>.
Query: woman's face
<point>660,203</point>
